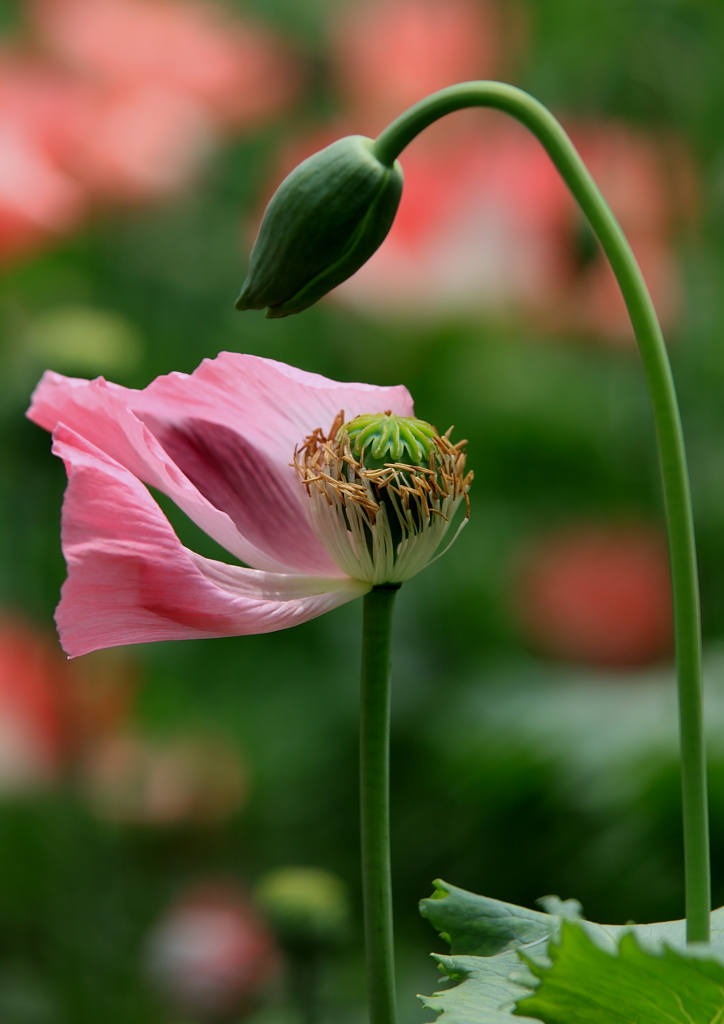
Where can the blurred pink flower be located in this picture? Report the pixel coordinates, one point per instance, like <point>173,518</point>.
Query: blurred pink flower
<point>126,104</point>
<point>485,223</point>
<point>219,443</point>
<point>167,77</point>
<point>388,54</point>
<point>141,143</point>
<point>188,780</point>
<point>211,955</point>
<point>235,70</point>
<point>598,595</point>
<point>40,113</point>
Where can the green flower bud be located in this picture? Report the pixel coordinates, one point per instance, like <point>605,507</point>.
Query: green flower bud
<point>306,906</point>
<point>323,222</point>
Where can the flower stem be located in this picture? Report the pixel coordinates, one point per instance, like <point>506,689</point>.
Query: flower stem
<point>682,553</point>
<point>305,970</point>
<point>375,801</point>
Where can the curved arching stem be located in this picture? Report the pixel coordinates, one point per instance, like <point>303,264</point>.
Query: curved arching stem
<point>680,527</point>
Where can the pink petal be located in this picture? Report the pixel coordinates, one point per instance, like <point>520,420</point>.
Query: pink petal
<point>99,411</point>
<point>274,406</point>
<point>269,406</point>
<point>130,580</point>
<point>263,503</point>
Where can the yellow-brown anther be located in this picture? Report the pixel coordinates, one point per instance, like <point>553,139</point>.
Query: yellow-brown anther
<point>385,523</point>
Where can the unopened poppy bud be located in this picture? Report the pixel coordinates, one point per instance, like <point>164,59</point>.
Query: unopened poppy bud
<point>306,906</point>
<point>324,221</point>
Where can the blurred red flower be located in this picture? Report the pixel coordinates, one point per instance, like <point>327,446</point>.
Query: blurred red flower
<point>486,224</point>
<point>33,684</point>
<point>650,184</point>
<point>478,229</point>
<point>598,595</point>
<point>211,955</point>
<point>52,712</point>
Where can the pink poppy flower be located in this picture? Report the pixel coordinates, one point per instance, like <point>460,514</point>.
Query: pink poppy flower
<point>221,443</point>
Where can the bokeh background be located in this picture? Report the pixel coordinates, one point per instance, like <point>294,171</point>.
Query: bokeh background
<point>146,793</point>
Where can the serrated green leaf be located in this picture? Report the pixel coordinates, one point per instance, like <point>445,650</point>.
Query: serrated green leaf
<point>481,926</point>
<point>486,991</point>
<point>484,935</point>
<point>478,926</point>
<point>584,984</point>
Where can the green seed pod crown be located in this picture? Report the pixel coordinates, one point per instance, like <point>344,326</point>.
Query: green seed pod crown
<point>381,438</point>
<point>324,221</point>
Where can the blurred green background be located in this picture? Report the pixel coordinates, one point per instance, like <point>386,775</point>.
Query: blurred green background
<point>534,733</point>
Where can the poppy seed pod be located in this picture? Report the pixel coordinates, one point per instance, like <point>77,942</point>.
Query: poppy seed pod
<point>324,221</point>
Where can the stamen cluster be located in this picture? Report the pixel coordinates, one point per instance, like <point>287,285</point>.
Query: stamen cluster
<point>382,523</point>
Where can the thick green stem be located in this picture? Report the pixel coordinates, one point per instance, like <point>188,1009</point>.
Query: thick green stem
<point>375,801</point>
<point>655,360</point>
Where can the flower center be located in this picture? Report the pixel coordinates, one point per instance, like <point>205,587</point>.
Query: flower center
<point>383,491</point>
<point>381,438</point>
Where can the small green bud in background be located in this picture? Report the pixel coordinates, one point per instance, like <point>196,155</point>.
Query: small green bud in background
<point>323,222</point>
<point>307,907</point>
